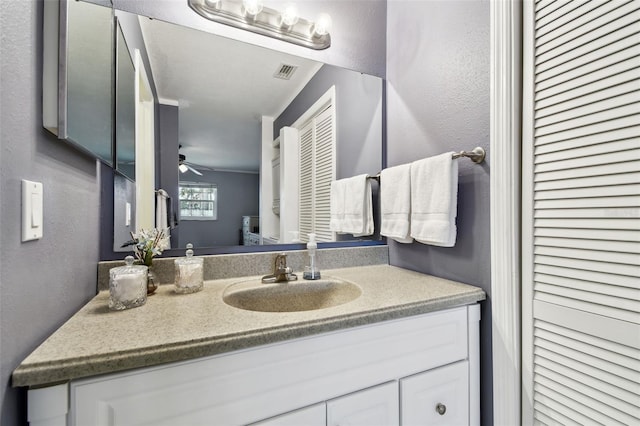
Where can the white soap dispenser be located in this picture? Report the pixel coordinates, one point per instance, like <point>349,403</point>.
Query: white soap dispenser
<point>311,272</point>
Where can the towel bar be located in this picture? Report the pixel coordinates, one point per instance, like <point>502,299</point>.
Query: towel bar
<point>477,155</point>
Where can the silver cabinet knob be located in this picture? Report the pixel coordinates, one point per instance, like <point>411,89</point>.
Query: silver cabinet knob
<point>441,409</point>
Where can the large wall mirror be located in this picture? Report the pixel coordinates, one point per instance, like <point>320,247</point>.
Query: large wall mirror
<point>225,112</point>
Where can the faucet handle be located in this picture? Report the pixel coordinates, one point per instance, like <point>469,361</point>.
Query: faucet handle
<point>281,272</point>
<point>280,262</point>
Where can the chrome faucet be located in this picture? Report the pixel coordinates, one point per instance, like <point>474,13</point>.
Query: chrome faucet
<point>281,272</point>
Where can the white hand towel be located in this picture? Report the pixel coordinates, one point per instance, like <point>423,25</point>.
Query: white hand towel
<point>337,206</point>
<point>162,218</point>
<point>352,206</point>
<point>434,200</point>
<point>395,202</point>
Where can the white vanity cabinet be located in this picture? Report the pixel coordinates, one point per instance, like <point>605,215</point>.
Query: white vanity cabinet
<point>372,374</point>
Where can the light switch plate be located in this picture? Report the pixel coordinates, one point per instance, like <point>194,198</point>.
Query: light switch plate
<point>32,210</point>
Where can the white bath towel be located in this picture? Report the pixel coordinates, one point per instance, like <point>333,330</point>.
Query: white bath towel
<point>395,203</point>
<point>434,200</point>
<point>352,206</point>
<point>337,206</point>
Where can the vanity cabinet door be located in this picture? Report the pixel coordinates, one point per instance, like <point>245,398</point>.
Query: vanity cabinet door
<point>315,415</point>
<point>436,397</point>
<point>377,406</point>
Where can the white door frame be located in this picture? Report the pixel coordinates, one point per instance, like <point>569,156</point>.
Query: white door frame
<point>144,147</point>
<point>506,77</point>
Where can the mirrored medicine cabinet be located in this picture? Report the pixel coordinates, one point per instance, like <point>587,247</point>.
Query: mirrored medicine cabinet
<point>78,75</point>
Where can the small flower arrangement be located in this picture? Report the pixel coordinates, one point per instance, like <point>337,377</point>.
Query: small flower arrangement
<point>147,244</point>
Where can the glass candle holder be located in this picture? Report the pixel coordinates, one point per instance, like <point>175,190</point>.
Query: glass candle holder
<point>127,286</point>
<point>189,272</point>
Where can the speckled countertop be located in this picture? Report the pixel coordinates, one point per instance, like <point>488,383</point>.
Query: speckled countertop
<point>172,327</point>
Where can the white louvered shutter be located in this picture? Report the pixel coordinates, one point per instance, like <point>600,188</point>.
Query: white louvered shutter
<point>581,212</point>
<point>317,170</point>
<point>324,173</point>
<point>306,180</point>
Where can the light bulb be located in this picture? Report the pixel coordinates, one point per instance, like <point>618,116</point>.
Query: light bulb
<point>183,168</point>
<point>289,16</point>
<point>322,25</point>
<point>252,7</point>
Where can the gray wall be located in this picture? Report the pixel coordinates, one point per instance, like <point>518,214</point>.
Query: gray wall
<point>438,101</point>
<point>43,282</point>
<point>238,195</point>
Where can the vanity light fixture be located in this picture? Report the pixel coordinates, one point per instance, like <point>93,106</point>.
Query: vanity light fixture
<point>252,8</point>
<point>323,25</point>
<point>252,16</point>
<point>289,16</point>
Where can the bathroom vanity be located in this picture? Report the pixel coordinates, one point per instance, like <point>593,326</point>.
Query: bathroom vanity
<point>405,352</point>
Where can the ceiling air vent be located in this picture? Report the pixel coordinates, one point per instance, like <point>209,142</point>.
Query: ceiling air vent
<point>285,71</point>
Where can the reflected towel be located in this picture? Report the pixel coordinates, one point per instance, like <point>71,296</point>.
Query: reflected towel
<point>395,203</point>
<point>352,206</point>
<point>336,206</point>
<point>162,216</point>
<point>434,200</point>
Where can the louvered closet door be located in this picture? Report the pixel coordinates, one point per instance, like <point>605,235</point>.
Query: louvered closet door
<point>306,181</point>
<point>324,173</point>
<point>317,170</point>
<point>581,212</point>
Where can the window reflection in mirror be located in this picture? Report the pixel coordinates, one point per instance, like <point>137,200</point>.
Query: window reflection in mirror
<point>198,201</point>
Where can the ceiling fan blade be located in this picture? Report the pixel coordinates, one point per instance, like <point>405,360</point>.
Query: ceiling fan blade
<point>193,170</point>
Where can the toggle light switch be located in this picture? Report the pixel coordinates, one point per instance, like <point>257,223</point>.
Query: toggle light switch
<point>36,210</point>
<point>32,210</point>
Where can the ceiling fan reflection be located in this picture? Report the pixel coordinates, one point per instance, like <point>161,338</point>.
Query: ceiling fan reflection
<point>184,166</point>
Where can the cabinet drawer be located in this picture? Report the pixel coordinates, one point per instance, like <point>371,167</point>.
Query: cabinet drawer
<point>436,397</point>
